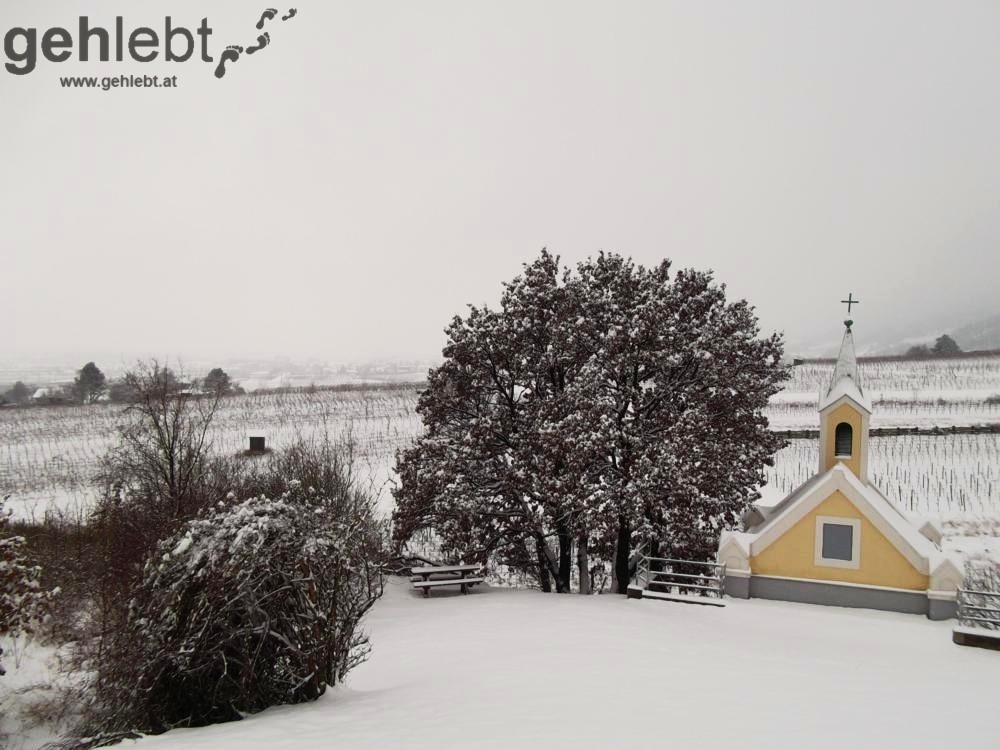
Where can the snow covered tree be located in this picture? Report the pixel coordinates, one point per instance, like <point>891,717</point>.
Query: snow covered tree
<point>252,604</point>
<point>668,430</point>
<point>594,410</point>
<point>23,602</point>
<point>475,475</point>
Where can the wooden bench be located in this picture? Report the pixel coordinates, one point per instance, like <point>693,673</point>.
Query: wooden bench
<point>430,577</point>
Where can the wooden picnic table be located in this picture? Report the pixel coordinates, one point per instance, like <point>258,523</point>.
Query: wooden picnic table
<point>427,571</point>
<point>453,575</point>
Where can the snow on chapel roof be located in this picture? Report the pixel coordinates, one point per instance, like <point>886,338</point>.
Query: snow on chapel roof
<point>845,380</point>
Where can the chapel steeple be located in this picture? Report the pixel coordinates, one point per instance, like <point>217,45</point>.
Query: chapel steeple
<point>845,411</point>
<point>847,362</point>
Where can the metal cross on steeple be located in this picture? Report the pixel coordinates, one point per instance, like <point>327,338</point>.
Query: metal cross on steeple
<point>850,301</point>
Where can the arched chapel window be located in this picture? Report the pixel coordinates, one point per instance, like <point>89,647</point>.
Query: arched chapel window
<point>843,440</point>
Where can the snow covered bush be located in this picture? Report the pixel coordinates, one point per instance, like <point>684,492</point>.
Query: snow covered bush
<point>23,602</point>
<point>252,604</point>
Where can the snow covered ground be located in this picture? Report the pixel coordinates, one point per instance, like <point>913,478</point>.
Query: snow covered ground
<point>505,668</point>
<point>30,679</point>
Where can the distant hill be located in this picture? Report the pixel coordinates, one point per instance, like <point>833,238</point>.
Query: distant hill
<point>895,340</point>
<point>983,334</point>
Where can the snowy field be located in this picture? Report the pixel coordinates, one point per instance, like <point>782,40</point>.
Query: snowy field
<point>519,669</point>
<point>49,454</point>
<point>959,378</point>
<point>921,474</point>
<point>905,393</point>
<point>801,415</point>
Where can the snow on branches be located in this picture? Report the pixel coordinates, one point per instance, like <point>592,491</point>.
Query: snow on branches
<point>23,602</point>
<point>594,410</point>
<point>252,604</point>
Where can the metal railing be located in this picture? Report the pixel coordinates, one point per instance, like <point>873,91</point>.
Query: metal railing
<point>668,575</point>
<point>979,608</point>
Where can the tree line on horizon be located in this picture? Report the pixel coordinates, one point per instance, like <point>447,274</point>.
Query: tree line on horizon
<point>942,346</point>
<point>91,386</point>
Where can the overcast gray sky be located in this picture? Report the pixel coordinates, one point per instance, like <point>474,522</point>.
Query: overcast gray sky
<point>346,190</point>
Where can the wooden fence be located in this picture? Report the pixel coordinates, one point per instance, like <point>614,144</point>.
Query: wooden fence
<point>978,614</point>
<point>683,579</point>
<point>971,429</point>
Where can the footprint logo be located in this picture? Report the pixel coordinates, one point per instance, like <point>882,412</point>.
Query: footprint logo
<point>232,53</point>
<point>262,41</point>
<point>229,54</point>
<point>267,15</point>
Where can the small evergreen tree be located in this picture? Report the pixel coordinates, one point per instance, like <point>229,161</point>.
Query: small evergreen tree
<point>218,382</point>
<point>18,393</point>
<point>946,345</point>
<point>90,383</point>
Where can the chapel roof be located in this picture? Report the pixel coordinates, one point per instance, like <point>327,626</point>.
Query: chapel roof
<point>845,380</point>
<point>903,533</point>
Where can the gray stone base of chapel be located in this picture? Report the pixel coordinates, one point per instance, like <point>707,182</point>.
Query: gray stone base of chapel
<point>738,587</point>
<point>941,609</point>
<point>818,592</point>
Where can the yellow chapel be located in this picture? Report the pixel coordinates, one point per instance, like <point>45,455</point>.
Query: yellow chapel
<point>836,539</point>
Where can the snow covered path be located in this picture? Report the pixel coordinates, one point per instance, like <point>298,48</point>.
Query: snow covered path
<point>519,669</point>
